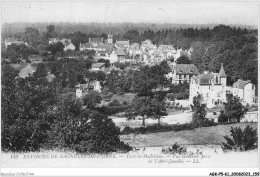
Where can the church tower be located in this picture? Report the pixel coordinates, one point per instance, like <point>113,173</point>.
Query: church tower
<point>223,76</point>
<point>110,38</point>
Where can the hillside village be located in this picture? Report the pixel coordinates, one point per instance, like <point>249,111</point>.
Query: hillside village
<point>212,86</point>
<point>143,87</point>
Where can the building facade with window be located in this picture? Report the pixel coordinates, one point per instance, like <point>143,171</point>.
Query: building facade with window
<point>212,86</point>
<point>245,90</point>
<point>183,72</point>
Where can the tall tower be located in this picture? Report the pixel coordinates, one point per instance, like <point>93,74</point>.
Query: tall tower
<point>110,38</point>
<point>223,76</point>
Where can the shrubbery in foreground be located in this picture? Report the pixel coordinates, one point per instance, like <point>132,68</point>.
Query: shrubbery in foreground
<point>175,149</point>
<point>242,140</point>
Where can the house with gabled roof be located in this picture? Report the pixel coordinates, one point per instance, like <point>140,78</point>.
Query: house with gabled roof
<point>183,72</point>
<point>123,45</point>
<point>27,71</point>
<point>117,55</point>
<point>95,41</point>
<point>158,56</point>
<point>83,89</point>
<point>244,90</point>
<point>86,46</point>
<point>104,47</point>
<point>69,46</point>
<point>212,86</point>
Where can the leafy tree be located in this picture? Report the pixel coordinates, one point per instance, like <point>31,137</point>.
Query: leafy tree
<point>132,36</point>
<point>51,31</point>
<point>158,109</point>
<point>25,118</point>
<point>84,129</point>
<point>242,140</point>
<point>101,137</point>
<point>143,84</point>
<point>91,100</point>
<point>183,60</point>
<point>234,108</point>
<point>32,35</point>
<point>55,48</point>
<point>14,52</point>
<point>146,107</point>
<point>114,103</point>
<point>222,117</point>
<point>199,114</point>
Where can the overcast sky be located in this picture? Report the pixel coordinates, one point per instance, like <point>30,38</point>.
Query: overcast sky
<point>243,13</point>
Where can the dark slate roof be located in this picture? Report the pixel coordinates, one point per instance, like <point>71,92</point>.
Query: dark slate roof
<point>206,79</point>
<point>186,69</point>
<point>222,71</point>
<point>107,47</point>
<point>240,84</point>
<point>87,45</point>
<point>119,52</point>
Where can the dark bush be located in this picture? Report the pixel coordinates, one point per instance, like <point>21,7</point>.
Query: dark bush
<point>114,103</point>
<point>163,128</point>
<point>241,140</point>
<point>111,110</point>
<point>223,118</point>
<point>175,149</point>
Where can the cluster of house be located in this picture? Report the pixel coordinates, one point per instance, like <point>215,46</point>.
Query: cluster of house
<point>123,51</point>
<point>212,86</point>
<point>68,45</point>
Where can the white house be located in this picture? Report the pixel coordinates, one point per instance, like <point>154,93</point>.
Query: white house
<point>69,46</point>
<point>245,90</point>
<point>122,45</point>
<point>117,55</point>
<point>158,56</point>
<point>86,46</point>
<point>109,38</point>
<point>212,86</point>
<point>82,89</point>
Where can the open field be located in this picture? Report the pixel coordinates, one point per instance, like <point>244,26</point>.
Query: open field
<point>198,136</point>
<point>170,119</point>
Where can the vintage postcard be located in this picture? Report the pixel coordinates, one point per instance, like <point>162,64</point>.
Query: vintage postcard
<point>166,86</point>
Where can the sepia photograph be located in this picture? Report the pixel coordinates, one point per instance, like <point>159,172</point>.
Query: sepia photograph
<point>166,86</point>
